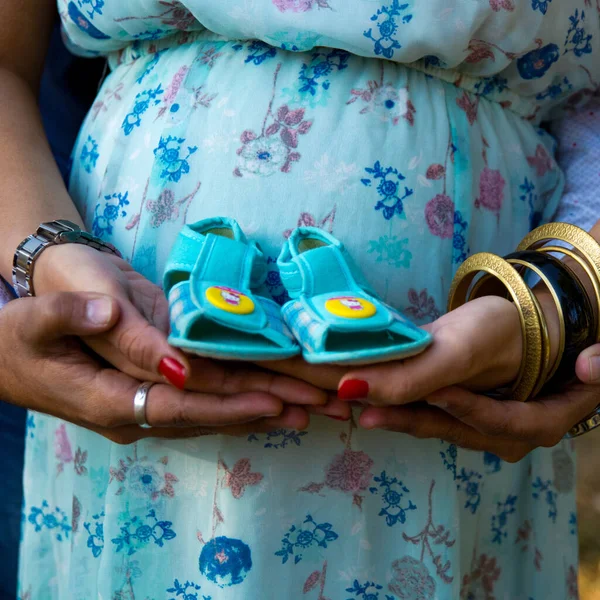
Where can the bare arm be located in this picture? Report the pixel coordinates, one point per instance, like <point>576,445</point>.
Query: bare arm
<point>31,190</point>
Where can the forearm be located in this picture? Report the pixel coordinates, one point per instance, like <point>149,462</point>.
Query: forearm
<point>32,189</point>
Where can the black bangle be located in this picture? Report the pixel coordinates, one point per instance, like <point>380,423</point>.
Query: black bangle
<point>574,309</point>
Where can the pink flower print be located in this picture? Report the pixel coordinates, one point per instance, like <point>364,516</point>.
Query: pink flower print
<point>435,171</point>
<point>498,5</point>
<point>479,583</point>
<point>299,5</point>
<point>439,214</point>
<point>422,305</point>
<point>572,586</point>
<point>308,220</point>
<point>469,106</point>
<point>274,149</point>
<point>164,209</point>
<point>349,472</point>
<point>411,580</point>
<point>491,190</point>
<point>62,445</point>
<point>479,51</point>
<point>389,102</point>
<point>240,477</point>
<point>177,15</point>
<point>172,90</point>
<point>541,161</point>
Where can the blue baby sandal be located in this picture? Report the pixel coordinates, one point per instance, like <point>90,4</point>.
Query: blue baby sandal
<point>209,278</point>
<point>334,314</point>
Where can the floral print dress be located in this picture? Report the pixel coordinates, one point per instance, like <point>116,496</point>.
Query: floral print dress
<point>409,130</point>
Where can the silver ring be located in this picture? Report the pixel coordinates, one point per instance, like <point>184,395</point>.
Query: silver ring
<point>139,404</point>
<point>590,422</point>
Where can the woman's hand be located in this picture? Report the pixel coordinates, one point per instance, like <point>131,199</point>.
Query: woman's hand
<point>136,343</point>
<point>476,347</point>
<point>46,368</point>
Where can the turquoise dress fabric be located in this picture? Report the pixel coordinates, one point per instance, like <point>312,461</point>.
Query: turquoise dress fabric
<point>409,131</point>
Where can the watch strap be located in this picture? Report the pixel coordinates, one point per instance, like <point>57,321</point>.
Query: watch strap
<point>49,234</point>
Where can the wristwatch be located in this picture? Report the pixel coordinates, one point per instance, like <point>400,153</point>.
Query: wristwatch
<point>49,234</point>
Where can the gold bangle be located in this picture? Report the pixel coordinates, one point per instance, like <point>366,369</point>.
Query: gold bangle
<point>581,240</point>
<point>546,350</point>
<point>483,285</point>
<point>561,316</point>
<point>528,313</point>
<point>590,272</point>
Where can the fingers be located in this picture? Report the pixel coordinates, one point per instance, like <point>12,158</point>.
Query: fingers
<point>541,422</point>
<point>326,377</point>
<point>141,350</point>
<point>111,397</point>
<point>477,343</point>
<point>234,377</point>
<point>335,408</point>
<point>587,367</point>
<point>422,421</point>
<point>291,418</point>
<point>40,320</point>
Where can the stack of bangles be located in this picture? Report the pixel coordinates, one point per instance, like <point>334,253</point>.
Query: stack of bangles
<point>486,274</point>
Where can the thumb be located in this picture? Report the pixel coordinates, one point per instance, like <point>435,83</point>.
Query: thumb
<point>57,315</point>
<point>588,365</point>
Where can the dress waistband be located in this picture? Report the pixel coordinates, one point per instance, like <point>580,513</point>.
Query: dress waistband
<point>491,88</point>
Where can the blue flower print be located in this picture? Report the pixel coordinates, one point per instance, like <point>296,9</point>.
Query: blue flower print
<point>105,217</point>
<point>536,63</point>
<point>281,438</point>
<point>388,182</point>
<point>43,518</point>
<point>492,462</point>
<point>393,491</point>
<point>541,5</point>
<point>89,154</point>
<point>469,483</point>
<point>150,66</point>
<point>500,519</point>
<point>322,64</point>
<point>84,23</point>
<point>528,195</point>
<point>95,7</point>
<point>545,489</point>
<point>460,248</point>
<point>392,251</point>
<point>30,426</point>
<point>95,531</point>
<point>137,533</point>
<point>185,591</point>
<point>489,85</point>
<point>366,591</point>
<point>385,42</point>
<point>557,88</point>
<point>225,561</point>
<point>168,154</point>
<point>297,540</point>
<point>143,101</point>
<point>449,458</point>
<point>275,285</point>
<point>573,523</point>
<point>259,52</point>
<point>578,42</point>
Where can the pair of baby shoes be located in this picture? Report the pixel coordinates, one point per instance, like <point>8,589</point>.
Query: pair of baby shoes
<point>212,281</point>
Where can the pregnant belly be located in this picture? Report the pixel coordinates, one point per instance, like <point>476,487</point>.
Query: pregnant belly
<point>411,173</point>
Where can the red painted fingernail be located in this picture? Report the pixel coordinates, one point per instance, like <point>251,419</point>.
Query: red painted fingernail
<point>353,389</point>
<point>338,418</point>
<point>174,371</point>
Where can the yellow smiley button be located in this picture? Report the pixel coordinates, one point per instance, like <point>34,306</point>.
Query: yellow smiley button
<point>230,300</point>
<point>349,307</point>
